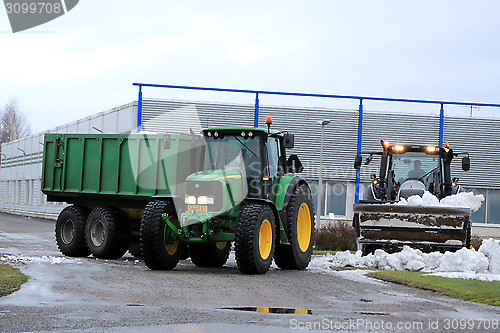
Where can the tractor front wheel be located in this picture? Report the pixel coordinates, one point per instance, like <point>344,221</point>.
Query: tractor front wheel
<point>160,249</point>
<point>300,229</point>
<point>210,255</point>
<point>255,239</point>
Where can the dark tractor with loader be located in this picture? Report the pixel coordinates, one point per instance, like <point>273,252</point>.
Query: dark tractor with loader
<point>407,170</point>
<point>245,192</point>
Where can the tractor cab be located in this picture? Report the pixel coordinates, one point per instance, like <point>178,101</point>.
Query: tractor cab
<point>407,170</point>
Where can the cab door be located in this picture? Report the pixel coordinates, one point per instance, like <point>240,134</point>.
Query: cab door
<point>274,166</point>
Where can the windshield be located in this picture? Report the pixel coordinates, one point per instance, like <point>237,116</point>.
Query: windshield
<point>414,165</point>
<point>234,152</point>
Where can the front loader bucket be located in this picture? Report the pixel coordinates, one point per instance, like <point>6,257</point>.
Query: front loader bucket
<point>392,226</point>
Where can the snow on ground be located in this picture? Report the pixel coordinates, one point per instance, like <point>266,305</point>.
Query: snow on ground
<point>43,259</point>
<point>464,199</point>
<point>483,264</point>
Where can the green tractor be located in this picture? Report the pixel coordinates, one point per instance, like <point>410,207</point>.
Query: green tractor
<point>245,191</point>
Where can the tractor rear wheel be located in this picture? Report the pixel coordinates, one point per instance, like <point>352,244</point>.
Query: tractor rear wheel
<point>255,238</point>
<point>107,233</point>
<point>160,249</point>
<point>300,230</point>
<point>70,231</point>
<point>210,255</point>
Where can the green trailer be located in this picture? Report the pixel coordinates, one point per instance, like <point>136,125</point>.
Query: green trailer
<point>112,176</point>
<point>182,195</point>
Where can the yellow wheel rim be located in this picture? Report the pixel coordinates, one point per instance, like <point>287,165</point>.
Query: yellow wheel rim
<point>172,246</point>
<point>265,239</point>
<point>220,245</point>
<point>304,227</point>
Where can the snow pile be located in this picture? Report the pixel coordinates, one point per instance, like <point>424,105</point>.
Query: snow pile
<point>465,263</point>
<point>43,259</point>
<point>464,260</point>
<point>463,199</point>
<point>491,249</point>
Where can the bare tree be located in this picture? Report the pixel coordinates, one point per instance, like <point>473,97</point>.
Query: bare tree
<point>13,124</point>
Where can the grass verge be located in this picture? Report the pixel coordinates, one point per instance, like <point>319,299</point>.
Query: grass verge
<point>11,279</point>
<point>467,290</point>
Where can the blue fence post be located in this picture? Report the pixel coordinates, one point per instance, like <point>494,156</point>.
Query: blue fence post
<point>256,116</point>
<point>441,125</point>
<point>360,134</point>
<point>139,110</point>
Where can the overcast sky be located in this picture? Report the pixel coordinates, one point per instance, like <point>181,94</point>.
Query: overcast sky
<point>86,61</point>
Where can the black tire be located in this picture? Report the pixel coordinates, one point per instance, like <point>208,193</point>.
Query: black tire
<point>70,231</point>
<point>255,239</point>
<point>299,228</point>
<point>159,248</point>
<point>107,233</point>
<point>184,251</point>
<point>366,249</point>
<point>468,235</point>
<point>210,255</point>
<point>135,249</point>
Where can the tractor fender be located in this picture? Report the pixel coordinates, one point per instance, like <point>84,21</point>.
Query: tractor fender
<point>295,181</point>
<point>268,203</point>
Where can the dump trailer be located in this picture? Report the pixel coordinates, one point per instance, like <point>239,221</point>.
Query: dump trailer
<point>182,195</point>
<point>108,179</point>
<point>384,220</point>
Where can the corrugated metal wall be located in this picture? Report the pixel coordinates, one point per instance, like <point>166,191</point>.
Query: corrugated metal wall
<point>21,167</point>
<point>480,137</point>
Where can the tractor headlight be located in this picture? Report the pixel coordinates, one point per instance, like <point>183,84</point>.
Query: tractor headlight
<point>399,147</point>
<point>190,200</point>
<point>205,200</point>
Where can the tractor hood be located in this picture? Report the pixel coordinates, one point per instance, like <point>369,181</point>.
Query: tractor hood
<point>212,193</point>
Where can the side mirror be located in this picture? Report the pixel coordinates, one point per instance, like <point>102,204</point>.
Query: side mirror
<point>466,163</point>
<point>294,165</point>
<point>167,141</point>
<point>357,162</point>
<point>288,140</point>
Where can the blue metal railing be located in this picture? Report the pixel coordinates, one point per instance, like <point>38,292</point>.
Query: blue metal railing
<point>360,114</point>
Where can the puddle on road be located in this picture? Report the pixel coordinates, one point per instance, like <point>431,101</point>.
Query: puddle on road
<point>300,311</point>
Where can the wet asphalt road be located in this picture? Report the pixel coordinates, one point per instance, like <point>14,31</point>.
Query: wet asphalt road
<point>89,295</point>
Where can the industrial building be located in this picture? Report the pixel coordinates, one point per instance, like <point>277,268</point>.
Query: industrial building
<point>21,160</point>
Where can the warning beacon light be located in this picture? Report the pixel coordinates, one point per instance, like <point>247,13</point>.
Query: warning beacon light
<point>269,122</point>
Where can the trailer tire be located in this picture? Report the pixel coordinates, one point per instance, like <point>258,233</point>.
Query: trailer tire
<point>159,248</point>
<point>210,255</point>
<point>107,233</point>
<point>255,239</point>
<point>300,230</point>
<point>70,231</point>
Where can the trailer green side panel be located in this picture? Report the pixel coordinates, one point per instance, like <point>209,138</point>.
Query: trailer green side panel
<point>116,169</point>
